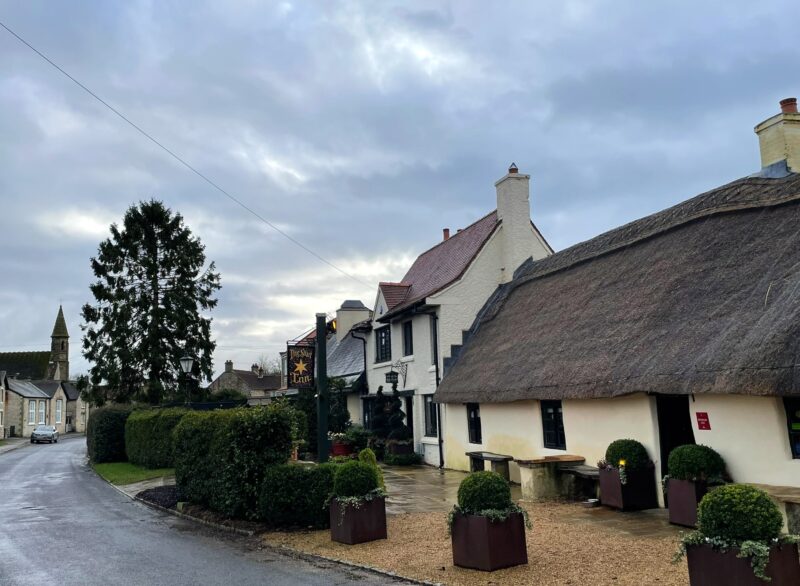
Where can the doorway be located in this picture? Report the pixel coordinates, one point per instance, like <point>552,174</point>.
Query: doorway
<point>410,414</point>
<point>674,425</point>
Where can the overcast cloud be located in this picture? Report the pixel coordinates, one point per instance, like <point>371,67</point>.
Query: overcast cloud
<point>361,129</point>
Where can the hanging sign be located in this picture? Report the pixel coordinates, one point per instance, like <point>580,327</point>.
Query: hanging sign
<point>702,420</point>
<point>300,367</point>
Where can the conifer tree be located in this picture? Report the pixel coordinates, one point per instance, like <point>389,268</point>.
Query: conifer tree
<point>151,289</point>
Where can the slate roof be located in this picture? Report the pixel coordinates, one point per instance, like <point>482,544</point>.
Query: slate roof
<point>267,382</point>
<point>438,267</point>
<point>345,356</point>
<point>72,392</point>
<point>25,364</point>
<point>703,297</point>
<point>353,304</point>
<point>26,389</point>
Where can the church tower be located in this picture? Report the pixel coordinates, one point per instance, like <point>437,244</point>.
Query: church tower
<point>59,349</point>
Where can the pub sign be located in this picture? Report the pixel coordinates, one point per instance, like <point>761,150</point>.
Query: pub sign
<point>300,367</point>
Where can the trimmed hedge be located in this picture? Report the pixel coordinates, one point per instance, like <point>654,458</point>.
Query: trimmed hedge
<point>354,479</point>
<point>105,434</point>
<point>221,456</point>
<point>691,462</point>
<point>481,491</point>
<point>148,437</point>
<point>633,452</point>
<point>297,496</point>
<point>737,512</point>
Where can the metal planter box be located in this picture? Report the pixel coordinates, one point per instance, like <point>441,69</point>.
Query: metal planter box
<point>683,497</point>
<point>480,544</point>
<point>638,493</point>
<point>352,525</point>
<point>709,567</point>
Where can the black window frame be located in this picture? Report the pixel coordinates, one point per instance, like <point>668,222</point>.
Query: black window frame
<point>408,338</point>
<point>474,431</point>
<point>383,344</point>
<point>431,416</point>
<point>792,406</point>
<point>553,426</point>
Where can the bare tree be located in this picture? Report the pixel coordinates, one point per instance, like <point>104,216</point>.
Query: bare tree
<point>270,365</point>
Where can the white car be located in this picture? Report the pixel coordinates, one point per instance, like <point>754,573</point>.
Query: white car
<point>44,433</point>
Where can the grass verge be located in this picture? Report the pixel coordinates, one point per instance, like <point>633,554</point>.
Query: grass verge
<point>127,473</point>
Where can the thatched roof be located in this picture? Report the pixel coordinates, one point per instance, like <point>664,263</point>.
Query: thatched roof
<point>703,297</point>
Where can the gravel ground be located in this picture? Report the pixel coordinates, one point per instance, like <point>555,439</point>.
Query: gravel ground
<point>559,552</point>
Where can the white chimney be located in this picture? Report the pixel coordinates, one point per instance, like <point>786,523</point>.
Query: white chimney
<point>514,210</point>
<point>349,314</point>
<point>779,137</point>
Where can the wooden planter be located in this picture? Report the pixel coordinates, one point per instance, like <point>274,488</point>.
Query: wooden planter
<point>683,496</point>
<point>341,449</point>
<point>399,448</point>
<point>709,567</point>
<point>482,545</point>
<point>352,525</point>
<point>638,493</point>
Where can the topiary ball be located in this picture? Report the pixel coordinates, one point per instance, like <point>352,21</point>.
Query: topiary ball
<point>695,463</point>
<point>484,490</point>
<point>354,478</point>
<point>632,452</point>
<point>737,512</point>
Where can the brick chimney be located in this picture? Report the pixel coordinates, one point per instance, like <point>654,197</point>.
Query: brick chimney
<point>779,137</point>
<point>514,210</point>
<point>229,366</point>
<point>445,234</point>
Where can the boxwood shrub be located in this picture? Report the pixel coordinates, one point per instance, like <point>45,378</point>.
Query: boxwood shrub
<point>631,451</point>
<point>297,496</point>
<point>221,456</point>
<point>738,512</point>
<point>354,479</point>
<point>105,434</point>
<point>148,436</point>
<point>481,491</point>
<point>692,462</point>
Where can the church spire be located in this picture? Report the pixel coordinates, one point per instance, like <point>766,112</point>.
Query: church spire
<point>60,329</point>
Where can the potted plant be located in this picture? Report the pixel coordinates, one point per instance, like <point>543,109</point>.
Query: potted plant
<point>486,527</point>
<point>358,506</point>
<point>627,477</point>
<point>400,441</point>
<point>691,470</point>
<point>340,444</point>
<point>738,541</point>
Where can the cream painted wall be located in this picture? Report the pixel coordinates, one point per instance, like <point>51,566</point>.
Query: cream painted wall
<point>750,433</point>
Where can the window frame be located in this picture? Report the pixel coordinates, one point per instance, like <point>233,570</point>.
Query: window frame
<point>553,427</point>
<point>431,416</point>
<point>792,408</point>
<point>42,410</point>
<point>474,428</point>
<point>59,409</point>
<point>31,412</point>
<point>434,338</point>
<point>407,329</point>
<point>383,344</point>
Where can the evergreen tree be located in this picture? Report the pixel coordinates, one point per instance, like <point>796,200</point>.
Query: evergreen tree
<point>150,289</point>
<point>380,414</point>
<point>338,415</point>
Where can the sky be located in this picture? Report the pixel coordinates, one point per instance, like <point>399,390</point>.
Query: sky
<point>360,129</point>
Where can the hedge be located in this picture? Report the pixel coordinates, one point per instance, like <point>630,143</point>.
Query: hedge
<point>297,496</point>
<point>105,434</point>
<point>221,456</point>
<point>148,437</point>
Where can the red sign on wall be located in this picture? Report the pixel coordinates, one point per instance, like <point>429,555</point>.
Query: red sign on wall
<point>702,420</point>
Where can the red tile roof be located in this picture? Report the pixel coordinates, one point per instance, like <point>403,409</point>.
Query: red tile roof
<point>440,266</point>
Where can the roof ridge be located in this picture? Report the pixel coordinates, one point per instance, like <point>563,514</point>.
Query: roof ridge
<point>472,225</point>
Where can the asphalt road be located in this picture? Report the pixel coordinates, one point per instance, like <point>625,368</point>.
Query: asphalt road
<point>61,524</point>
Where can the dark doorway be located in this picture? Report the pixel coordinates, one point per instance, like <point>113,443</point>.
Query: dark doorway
<point>674,425</point>
<point>410,414</point>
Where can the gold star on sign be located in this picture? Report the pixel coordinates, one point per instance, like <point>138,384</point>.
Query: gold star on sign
<point>300,367</point>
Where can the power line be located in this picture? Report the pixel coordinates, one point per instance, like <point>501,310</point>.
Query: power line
<point>181,160</point>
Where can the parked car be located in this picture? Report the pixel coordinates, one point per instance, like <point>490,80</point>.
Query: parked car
<point>44,433</point>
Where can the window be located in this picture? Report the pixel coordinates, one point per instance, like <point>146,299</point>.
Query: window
<point>408,339</point>
<point>434,338</point>
<point>474,423</point>
<point>31,412</point>
<point>553,425</point>
<point>41,412</point>
<point>58,410</point>
<point>792,405</point>
<point>431,421</point>
<point>383,344</point>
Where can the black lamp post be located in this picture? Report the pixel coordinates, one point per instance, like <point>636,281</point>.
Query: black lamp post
<point>187,362</point>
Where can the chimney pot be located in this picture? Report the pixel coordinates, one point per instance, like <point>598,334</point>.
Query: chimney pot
<point>789,106</point>
<point>513,168</point>
<point>445,233</point>
<point>229,366</point>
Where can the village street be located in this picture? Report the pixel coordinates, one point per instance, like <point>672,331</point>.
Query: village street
<point>62,524</point>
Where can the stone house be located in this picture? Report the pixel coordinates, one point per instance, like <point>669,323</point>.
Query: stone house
<point>677,328</point>
<point>416,321</point>
<point>254,383</point>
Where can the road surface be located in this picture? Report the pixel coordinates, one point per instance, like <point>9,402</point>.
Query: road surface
<point>60,524</point>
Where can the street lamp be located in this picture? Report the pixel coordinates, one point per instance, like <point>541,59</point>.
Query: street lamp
<point>187,362</point>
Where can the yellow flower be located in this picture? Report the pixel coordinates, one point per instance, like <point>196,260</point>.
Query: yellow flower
<point>622,463</point>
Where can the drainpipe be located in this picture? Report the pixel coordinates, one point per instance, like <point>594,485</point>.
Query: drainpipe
<point>435,318</point>
<point>364,342</point>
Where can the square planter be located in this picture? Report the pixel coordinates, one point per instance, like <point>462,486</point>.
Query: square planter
<point>352,525</point>
<point>482,545</point>
<point>709,567</point>
<point>340,449</point>
<point>638,493</point>
<point>399,448</point>
<point>683,496</point>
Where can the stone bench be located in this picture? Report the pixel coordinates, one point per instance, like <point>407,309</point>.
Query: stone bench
<point>554,477</point>
<point>498,462</point>
<point>788,499</point>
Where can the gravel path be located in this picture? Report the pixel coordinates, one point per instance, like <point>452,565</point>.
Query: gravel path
<point>561,549</point>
